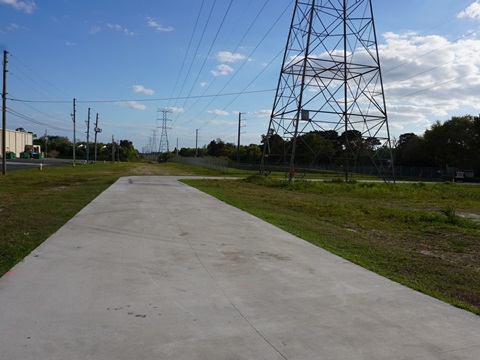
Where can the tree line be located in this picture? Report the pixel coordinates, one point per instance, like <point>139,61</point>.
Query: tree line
<point>454,144</point>
<point>62,147</point>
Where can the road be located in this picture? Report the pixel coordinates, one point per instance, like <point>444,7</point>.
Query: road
<point>17,164</point>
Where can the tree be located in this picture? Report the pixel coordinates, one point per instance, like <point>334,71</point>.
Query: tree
<point>411,151</point>
<point>314,148</point>
<point>453,143</point>
<point>216,148</point>
<point>276,147</point>
<point>126,151</point>
<point>251,153</point>
<point>187,152</point>
<point>353,140</point>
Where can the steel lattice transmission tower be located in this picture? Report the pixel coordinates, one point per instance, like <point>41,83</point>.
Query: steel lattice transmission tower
<point>163,147</point>
<point>329,105</point>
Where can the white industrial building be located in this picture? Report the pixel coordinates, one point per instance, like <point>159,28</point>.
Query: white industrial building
<point>15,141</point>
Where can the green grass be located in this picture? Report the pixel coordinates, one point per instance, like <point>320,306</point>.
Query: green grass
<point>426,236</point>
<point>34,204</point>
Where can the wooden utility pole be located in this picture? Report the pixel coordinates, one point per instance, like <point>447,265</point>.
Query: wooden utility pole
<point>97,130</point>
<point>4,115</point>
<point>113,150</point>
<point>74,130</point>
<point>238,142</point>
<point>88,136</point>
<point>46,139</point>
<point>196,144</point>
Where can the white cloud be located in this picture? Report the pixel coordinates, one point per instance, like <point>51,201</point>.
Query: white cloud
<point>471,12</point>
<point>160,28</point>
<point>228,57</point>
<point>69,43</point>
<point>143,90</point>
<point>175,110</point>
<point>428,78</point>
<point>27,5</point>
<point>218,112</point>
<point>261,114</point>
<point>204,84</point>
<point>121,29</point>
<point>131,104</point>
<point>222,69</point>
<point>94,30</point>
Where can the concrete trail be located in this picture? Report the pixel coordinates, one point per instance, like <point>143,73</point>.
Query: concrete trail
<point>154,269</point>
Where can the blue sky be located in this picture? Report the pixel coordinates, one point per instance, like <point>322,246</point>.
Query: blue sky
<point>127,59</point>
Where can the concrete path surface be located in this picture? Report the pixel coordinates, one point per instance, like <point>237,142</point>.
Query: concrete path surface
<point>154,269</point>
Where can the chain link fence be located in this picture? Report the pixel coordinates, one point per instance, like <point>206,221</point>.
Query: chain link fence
<point>209,163</point>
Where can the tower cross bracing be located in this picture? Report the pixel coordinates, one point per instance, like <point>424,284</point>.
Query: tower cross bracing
<point>330,87</point>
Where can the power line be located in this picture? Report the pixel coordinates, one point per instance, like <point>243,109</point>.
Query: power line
<point>246,87</point>
<point>433,68</point>
<point>141,100</point>
<point>35,109</point>
<point>196,52</point>
<point>431,87</point>
<point>34,121</point>
<point>234,51</point>
<point>243,64</point>
<point>188,48</point>
<point>208,54</point>
<point>40,77</point>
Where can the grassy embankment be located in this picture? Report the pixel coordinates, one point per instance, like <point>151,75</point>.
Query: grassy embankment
<point>426,236</point>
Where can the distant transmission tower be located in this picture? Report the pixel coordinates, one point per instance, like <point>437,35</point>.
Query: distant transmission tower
<point>164,136</point>
<point>153,141</point>
<point>329,109</point>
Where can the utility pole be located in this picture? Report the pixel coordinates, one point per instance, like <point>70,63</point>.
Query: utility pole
<point>97,130</point>
<point>88,136</point>
<point>46,140</point>
<point>74,130</point>
<point>113,150</point>
<point>177,148</point>
<point>196,144</point>
<point>239,129</point>
<point>4,114</point>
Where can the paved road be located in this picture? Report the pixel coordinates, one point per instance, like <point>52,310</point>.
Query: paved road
<point>17,164</point>
<point>154,269</point>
